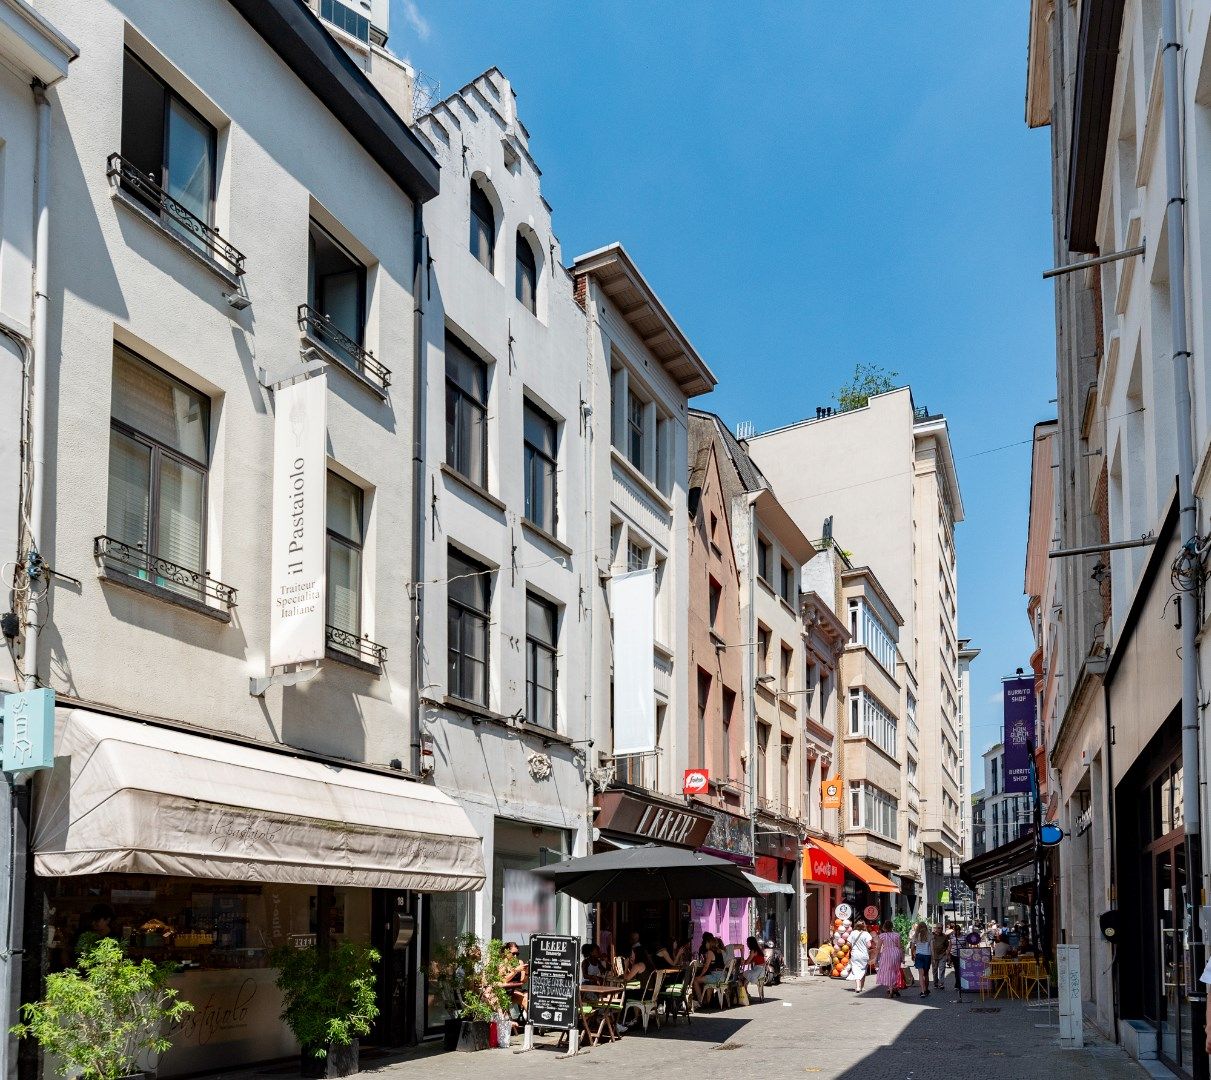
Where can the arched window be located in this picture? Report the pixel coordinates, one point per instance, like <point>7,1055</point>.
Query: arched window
<point>527,274</point>
<point>483,226</point>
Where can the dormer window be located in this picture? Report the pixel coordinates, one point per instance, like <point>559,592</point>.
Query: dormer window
<point>483,227</point>
<point>527,275</point>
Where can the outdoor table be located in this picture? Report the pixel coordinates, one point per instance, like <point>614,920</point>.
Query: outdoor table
<point>604,1002</point>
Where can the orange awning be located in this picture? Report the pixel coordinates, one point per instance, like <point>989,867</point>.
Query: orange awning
<point>863,871</point>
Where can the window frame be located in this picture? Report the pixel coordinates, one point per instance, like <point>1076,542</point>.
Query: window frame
<point>530,452</point>
<point>714,602</point>
<point>315,290</point>
<point>533,647</point>
<point>786,582</point>
<point>460,395</point>
<point>488,227</point>
<point>765,552</point>
<point>636,431</point>
<point>332,536</point>
<point>521,267</point>
<point>158,450</point>
<point>466,611</point>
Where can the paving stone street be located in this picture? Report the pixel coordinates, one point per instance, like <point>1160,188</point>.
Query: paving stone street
<point>814,1027</point>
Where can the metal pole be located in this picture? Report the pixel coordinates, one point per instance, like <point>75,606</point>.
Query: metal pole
<point>1175,216</point>
<point>1094,549</point>
<point>1084,264</point>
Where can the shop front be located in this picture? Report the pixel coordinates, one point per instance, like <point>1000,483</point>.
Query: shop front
<point>210,854</point>
<point>870,893</point>
<point>778,907</point>
<point>729,837</point>
<point>823,883</point>
<point>628,818</point>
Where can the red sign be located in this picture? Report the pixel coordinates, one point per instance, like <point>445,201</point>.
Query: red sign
<point>697,782</point>
<point>822,867</point>
<point>871,913</point>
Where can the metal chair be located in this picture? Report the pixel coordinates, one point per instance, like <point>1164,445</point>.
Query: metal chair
<point>677,995</point>
<point>725,989</point>
<point>647,1004</point>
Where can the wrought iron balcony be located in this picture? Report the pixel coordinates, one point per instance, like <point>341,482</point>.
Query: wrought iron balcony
<point>143,188</point>
<point>321,328</point>
<point>133,562</point>
<point>359,648</point>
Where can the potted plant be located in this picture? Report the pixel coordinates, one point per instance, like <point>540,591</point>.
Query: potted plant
<point>328,1001</point>
<point>100,1016</point>
<point>467,975</point>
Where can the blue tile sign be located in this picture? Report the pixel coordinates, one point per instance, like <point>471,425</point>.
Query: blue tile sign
<point>29,730</point>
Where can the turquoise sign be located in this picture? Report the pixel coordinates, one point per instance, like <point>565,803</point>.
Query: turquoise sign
<point>29,730</point>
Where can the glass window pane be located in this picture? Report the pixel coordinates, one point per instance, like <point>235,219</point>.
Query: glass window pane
<point>467,582</point>
<point>340,299</point>
<point>540,620</point>
<point>190,159</point>
<point>467,372</point>
<point>129,503</point>
<point>344,587</point>
<point>142,119</point>
<point>344,508</point>
<point>180,518</point>
<point>540,430</point>
<point>149,401</point>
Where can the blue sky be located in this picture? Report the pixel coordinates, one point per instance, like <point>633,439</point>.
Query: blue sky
<point>808,186</point>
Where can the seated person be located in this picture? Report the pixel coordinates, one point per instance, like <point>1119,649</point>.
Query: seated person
<point>515,973</point>
<point>592,965</point>
<point>754,962</point>
<point>636,971</point>
<point>1000,948</point>
<point>714,965</point>
<point>674,955</point>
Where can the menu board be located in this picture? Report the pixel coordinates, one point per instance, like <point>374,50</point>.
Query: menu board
<point>974,965</point>
<point>554,977</point>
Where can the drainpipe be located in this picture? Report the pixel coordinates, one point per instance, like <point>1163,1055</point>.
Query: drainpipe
<point>1175,216</point>
<point>18,787</point>
<point>420,277</point>
<point>750,574</point>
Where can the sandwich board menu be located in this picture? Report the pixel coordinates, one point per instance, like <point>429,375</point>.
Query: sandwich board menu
<point>554,978</point>
<point>974,965</point>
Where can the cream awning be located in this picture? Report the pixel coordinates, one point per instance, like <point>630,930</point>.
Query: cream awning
<point>130,797</point>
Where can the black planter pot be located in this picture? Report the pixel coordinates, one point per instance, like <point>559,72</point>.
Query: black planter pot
<point>339,1061</point>
<point>474,1035</point>
<point>450,1033</point>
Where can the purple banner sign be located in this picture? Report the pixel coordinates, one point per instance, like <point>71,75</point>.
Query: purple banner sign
<point>1018,697</point>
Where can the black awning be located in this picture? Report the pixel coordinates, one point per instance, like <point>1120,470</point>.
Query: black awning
<point>1016,855</point>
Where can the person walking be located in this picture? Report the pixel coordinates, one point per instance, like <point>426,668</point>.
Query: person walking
<point>889,957</point>
<point>922,956</point>
<point>859,954</point>
<point>939,945</point>
<point>954,954</point>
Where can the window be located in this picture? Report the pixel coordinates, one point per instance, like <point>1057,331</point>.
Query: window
<point>784,672</point>
<point>704,697</point>
<point>874,809</point>
<point>542,621</point>
<point>167,141</point>
<point>539,435</point>
<point>763,640</point>
<point>466,413</point>
<point>636,436</point>
<point>468,590</point>
<point>716,596</point>
<point>763,559</point>
<point>344,563</point>
<point>762,760</point>
<point>483,227</point>
<point>346,19</point>
<point>869,719</point>
<point>729,708</point>
<point>784,779</point>
<point>787,583</point>
<point>713,528</point>
<point>159,450</point>
<point>637,556</point>
<point>336,293</point>
<point>867,629</point>
<point>526,284</point>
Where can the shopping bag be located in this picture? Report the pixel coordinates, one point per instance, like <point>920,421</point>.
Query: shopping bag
<point>903,979</point>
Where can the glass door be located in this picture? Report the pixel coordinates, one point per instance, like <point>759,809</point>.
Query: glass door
<point>1174,1026</point>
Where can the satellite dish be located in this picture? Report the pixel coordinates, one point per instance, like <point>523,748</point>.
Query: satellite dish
<point>1050,835</point>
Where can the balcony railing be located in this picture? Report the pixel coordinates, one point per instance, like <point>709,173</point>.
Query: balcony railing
<point>360,648</point>
<point>143,188</point>
<point>320,327</point>
<point>135,563</point>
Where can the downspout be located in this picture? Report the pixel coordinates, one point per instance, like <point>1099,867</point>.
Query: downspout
<point>751,679</point>
<point>1175,217</point>
<point>420,277</point>
<point>38,389</point>
<point>1112,855</point>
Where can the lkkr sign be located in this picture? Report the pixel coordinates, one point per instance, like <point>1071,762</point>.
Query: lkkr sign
<point>621,812</point>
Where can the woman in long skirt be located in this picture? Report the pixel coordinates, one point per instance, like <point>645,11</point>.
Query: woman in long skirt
<point>890,958</point>
<point>859,955</point>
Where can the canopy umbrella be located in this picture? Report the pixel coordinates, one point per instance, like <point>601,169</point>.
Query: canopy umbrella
<point>648,872</point>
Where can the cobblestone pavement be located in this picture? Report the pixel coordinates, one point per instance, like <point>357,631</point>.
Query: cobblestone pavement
<point>815,1027</point>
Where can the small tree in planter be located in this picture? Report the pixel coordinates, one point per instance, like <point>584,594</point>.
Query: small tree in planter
<point>328,1001</point>
<point>467,976</point>
<point>100,1016</point>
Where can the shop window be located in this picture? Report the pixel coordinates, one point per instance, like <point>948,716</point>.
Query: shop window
<point>159,452</point>
<point>523,904</point>
<point>468,591</point>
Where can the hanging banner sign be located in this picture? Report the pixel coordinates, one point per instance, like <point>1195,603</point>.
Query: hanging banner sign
<point>29,730</point>
<point>830,793</point>
<point>696,782</point>
<point>633,602</point>
<point>300,469</point>
<point>1018,698</point>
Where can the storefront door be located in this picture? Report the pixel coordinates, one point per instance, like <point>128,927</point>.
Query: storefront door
<point>394,935</point>
<point>1169,898</point>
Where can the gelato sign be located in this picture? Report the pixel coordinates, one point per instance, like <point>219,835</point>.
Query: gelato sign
<point>297,585</point>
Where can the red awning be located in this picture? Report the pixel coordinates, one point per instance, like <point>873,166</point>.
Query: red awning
<point>863,871</point>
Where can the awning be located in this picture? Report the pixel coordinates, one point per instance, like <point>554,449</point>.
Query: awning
<point>768,888</point>
<point>863,871</point>
<point>1016,855</point>
<point>129,797</point>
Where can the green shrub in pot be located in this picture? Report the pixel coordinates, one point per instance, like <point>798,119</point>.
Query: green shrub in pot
<point>328,998</point>
<point>99,1017</point>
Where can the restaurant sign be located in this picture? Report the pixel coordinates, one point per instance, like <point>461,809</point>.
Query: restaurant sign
<point>621,812</point>
<point>554,978</point>
<point>821,867</point>
<point>1018,697</point>
<point>29,730</point>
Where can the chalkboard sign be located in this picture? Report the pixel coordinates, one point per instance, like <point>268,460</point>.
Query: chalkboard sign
<point>554,977</point>
<point>974,968</point>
